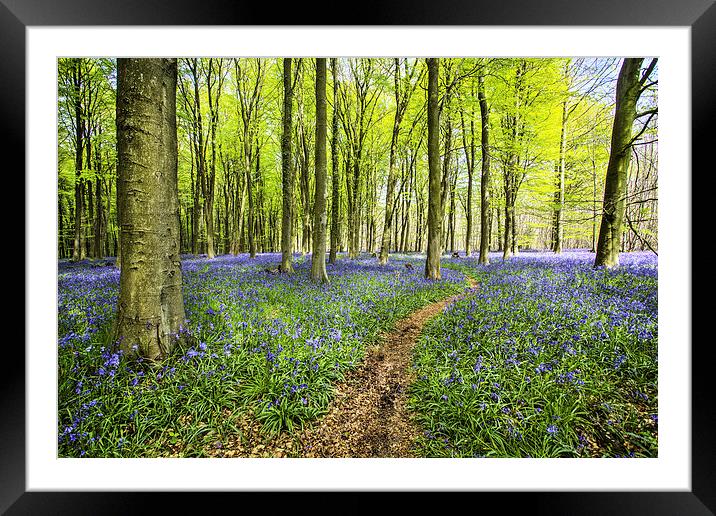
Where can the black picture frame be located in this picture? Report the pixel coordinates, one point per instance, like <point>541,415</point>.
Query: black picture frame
<point>699,15</point>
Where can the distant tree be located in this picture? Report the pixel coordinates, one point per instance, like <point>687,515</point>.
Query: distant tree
<point>485,221</point>
<point>335,172</point>
<point>432,261</point>
<point>249,96</point>
<point>403,87</point>
<point>83,113</point>
<point>469,148</point>
<point>77,75</point>
<point>150,308</point>
<point>214,85</point>
<point>358,107</point>
<point>286,170</point>
<point>318,259</point>
<point>629,89</point>
<point>558,229</point>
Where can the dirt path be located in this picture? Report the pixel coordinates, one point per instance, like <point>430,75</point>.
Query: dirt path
<point>368,415</point>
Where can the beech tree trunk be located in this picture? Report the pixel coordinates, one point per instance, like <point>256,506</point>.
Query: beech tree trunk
<point>286,170</point>
<point>335,197</point>
<point>400,107</point>
<point>318,259</point>
<point>485,213</point>
<point>469,150</point>
<point>78,248</point>
<point>150,309</point>
<point>610,231</point>
<point>559,193</point>
<point>432,262</point>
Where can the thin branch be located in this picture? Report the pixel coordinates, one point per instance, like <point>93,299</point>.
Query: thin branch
<point>643,240</point>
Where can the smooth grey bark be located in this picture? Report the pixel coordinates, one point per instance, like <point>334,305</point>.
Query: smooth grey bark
<point>318,258</point>
<point>432,261</point>
<point>150,308</point>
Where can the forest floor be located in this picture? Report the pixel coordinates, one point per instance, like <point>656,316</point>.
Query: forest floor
<point>368,416</point>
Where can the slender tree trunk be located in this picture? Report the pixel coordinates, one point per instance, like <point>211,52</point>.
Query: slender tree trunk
<point>446,178</point>
<point>318,259</point>
<point>60,228</point>
<point>559,194</point>
<point>452,213</point>
<point>89,237</point>
<point>432,262</point>
<point>594,205</point>
<point>514,248</point>
<point>250,212</point>
<point>610,231</point>
<point>150,309</point>
<point>354,245</point>
<point>485,212</point>
<point>99,222</point>
<point>349,202</point>
<point>195,200</point>
<point>210,175</point>
<point>390,185</point>
<point>286,170</point>
<point>304,183</point>
<point>469,149</point>
<point>200,151</point>
<point>335,197</point>
<point>78,249</point>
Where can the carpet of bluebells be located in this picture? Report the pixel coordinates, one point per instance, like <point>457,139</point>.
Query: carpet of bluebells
<point>268,345</point>
<point>549,358</point>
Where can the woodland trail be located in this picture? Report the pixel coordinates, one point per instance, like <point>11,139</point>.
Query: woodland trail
<point>368,416</point>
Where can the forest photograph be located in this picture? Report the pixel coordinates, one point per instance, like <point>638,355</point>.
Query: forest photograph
<point>357,257</point>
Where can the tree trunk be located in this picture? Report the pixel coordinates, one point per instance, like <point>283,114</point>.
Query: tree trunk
<point>446,179</point>
<point>210,175</point>
<point>99,223</point>
<point>432,261</point>
<point>452,215</point>
<point>469,149</point>
<point>250,212</point>
<point>78,248</point>
<point>390,186</point>
<point>318,259</point>
<point>559,193</point>
<point>150,309</point>
<point>304,183</point>
<point>485,213</point>
<point>610,231</point>
<point>354,244</point>
<point>286,170</point>
<point>335,197</point>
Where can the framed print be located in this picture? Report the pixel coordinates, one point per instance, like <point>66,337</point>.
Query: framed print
<point>679,479</point>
